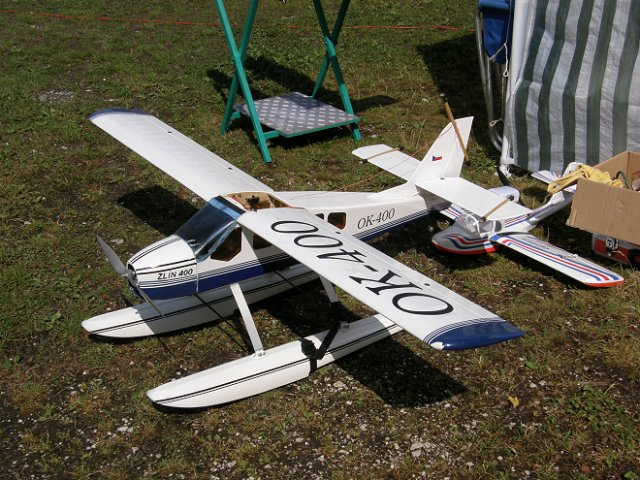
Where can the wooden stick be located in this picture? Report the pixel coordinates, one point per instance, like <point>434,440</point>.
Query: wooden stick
<point>484,217</point>
<point>455,127</point>
<point>382,153</point>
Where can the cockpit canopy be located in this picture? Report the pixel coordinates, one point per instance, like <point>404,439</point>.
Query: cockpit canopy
<point>209,227</point>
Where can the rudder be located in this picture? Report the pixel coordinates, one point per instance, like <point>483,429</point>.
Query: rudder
<point>446,155</point>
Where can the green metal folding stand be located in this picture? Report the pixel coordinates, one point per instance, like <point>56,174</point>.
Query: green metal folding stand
<point>291,114</point>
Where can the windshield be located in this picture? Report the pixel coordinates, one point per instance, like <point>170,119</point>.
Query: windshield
<point>208,228</point>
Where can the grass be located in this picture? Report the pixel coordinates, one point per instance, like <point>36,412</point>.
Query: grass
<point>559,403</point>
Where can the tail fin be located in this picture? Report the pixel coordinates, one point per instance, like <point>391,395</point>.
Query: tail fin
<point>445,157</point>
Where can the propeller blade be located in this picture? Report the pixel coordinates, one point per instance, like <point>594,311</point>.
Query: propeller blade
<point>113,258</point>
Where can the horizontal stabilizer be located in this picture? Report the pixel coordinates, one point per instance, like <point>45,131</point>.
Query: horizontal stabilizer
<point>416,303</point>
<point>195,167</point>
<point>473,198</point>
<point>444,158</point>
<point>390,159</point>
<point>574,266</point>
<point>545,176</point>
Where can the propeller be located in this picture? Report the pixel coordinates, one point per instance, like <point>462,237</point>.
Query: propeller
<point>113,258</point>
<point>121,270</point>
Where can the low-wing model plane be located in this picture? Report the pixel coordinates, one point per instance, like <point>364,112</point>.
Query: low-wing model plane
<point>249,242</point>
<point>486,218</point>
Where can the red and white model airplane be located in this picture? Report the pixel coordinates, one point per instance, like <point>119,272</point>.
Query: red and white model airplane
<point>486,218</point>
<point>249,242</point>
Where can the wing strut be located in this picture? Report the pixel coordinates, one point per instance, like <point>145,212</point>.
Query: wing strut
<point>328,287</point>
<point>247,318</point>
<point>311,351</point>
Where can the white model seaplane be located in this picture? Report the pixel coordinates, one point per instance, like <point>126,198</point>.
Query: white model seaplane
<point>486,218</point>
<point>249,242</point>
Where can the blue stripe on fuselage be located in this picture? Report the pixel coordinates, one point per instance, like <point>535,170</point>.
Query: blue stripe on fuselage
<point>175,290</point>
<point>252,269</point>
<point>216,281</point>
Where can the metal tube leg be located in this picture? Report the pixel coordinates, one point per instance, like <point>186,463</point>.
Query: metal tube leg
<point>239,78</point>
<point>328,287</point>
<point>331,57</point>
<point>249,324</point>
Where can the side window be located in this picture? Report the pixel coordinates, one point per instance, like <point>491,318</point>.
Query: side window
<point>230,247</point>
<point>259,242</point>
<point>337,219</point>
<point>320,215</point>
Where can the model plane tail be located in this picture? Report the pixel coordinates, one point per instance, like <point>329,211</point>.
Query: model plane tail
<point>438,174</point>
<point>444,158</point>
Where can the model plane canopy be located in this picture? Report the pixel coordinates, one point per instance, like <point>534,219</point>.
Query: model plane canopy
<point>209,227</point>
<point>195,167</point>
<point>431,312</point>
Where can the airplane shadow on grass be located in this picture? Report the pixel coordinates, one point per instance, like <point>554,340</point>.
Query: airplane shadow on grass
<point>159,208</point>
<point>393,371</point>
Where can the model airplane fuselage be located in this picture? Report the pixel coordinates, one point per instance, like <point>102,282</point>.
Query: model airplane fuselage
<point>486,218</point>
<point>212,250</point>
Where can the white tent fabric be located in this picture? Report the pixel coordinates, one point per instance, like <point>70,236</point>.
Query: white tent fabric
<point>575,82</point>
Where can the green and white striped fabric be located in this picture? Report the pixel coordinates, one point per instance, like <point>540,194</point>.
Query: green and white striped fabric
<point>576,96</point>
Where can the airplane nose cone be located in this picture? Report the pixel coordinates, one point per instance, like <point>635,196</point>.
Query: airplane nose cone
<point>132,276</point>
<point>165,269</point>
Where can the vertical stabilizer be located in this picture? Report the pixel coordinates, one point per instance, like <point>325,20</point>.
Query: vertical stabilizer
<point>445,157</point>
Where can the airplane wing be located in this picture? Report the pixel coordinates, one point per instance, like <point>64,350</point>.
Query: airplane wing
<point>431,312</point>
<point>390,159</point>
<point>545,176</point>
<point>473,198</point>
<point>452,212</point>
<point>463,194</point>
<point>195,167</point>
<point>572,265</point>
<point>444,158</point>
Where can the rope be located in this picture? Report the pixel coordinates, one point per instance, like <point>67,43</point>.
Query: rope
<point>62,16</point>
<point>484,217</point>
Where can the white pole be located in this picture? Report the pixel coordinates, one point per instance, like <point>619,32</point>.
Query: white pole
<point>523,14</point>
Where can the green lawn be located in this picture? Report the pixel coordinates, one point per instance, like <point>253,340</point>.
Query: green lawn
<point>561,402</point>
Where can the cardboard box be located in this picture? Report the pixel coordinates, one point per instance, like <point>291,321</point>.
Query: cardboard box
<point>606,210</point>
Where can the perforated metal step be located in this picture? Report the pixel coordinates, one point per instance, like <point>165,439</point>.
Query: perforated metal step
<point>295,113</point>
